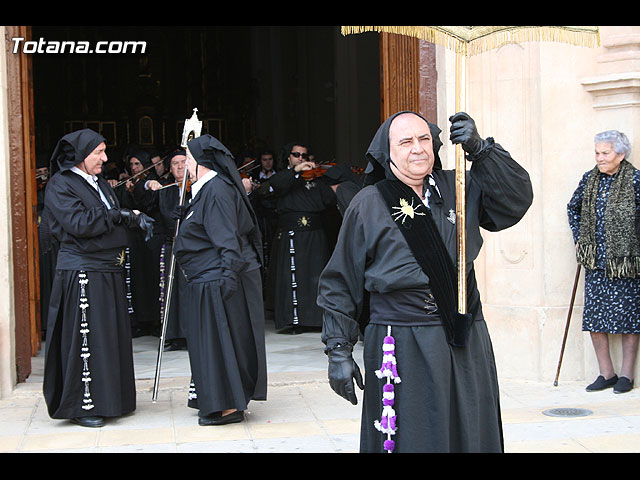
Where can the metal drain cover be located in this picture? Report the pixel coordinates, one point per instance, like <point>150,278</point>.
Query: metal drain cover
<point>567,412</point>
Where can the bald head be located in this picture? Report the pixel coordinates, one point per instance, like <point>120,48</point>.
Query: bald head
<point>410,148</point>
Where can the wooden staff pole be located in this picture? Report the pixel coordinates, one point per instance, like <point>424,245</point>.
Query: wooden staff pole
<point>461,170</point>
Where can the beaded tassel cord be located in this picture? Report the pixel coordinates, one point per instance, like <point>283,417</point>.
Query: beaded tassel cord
<point>388,370</point>
<point>87,403</point>
<point>162,283</point>
<point>294,283</point>
<point>127,268</point>
<point>192,395</point>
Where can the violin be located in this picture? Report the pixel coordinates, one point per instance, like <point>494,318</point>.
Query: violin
<point>323,167</point>
<point>316,172</point>
<point>134,178</point>
<point>177,184</point>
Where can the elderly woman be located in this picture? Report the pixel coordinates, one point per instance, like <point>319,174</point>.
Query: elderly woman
<point>218,249</point>
<point>603,214</point>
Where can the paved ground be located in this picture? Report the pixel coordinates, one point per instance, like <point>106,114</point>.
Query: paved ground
<point>302,414</point>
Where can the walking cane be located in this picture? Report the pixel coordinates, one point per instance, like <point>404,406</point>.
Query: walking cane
<point>566,328</point>
<point>192,129</point>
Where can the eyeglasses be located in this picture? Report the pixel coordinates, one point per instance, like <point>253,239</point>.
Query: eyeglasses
<point>298,154</point>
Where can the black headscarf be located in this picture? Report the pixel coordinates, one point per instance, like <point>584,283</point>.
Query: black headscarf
<point>209,152</point>
<point>378,152</point>
<point>73,148</point>
<point>143,156</point>
<point>168,158</point>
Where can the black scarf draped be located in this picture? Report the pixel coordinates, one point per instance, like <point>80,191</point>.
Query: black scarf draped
<point>418,228</point>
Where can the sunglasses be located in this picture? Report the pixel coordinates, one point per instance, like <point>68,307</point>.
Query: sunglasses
<point>298,154</point>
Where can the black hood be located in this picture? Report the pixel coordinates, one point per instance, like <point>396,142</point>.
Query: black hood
<point>378,152</point>
<point>73,148</point>
<point>209,152</point>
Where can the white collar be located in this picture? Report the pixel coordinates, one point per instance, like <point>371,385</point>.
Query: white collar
<point>195,188</point>
<point>89,178</point>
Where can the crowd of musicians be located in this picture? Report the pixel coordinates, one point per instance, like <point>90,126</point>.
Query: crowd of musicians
<point>149,181</point>
<point>243,218</point>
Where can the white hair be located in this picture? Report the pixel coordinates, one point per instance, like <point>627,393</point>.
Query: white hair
<point>618,141</point>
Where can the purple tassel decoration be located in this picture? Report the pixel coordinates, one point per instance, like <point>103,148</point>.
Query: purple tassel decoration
<point>388,370</point>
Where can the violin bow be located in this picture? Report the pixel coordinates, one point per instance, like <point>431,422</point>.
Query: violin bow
<point>133,177</point>
<point>192,129</point>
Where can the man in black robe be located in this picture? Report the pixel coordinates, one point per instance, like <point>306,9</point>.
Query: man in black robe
<point>159,198</point>
<point>431,382</point>
<point>47,246</point>
<point>300,246</point>
<point>264,203</point>
<point>218,250</point>
<point>88,371</point>
<point>144,292</point>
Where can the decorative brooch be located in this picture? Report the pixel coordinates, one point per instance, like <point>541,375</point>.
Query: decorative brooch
<point>405,210</point>
<point>304,222</point>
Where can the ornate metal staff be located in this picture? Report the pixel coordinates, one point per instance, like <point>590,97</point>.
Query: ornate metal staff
<point>192,129</point>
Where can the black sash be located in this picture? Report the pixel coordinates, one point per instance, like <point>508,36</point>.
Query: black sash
<point>416,224</point>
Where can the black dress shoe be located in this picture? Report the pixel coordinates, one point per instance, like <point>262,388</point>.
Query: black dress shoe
<point>219,419</point>
<point>601,383</point>
<point>92,422</point>
<point>175,344</point>
<point>623,385</point>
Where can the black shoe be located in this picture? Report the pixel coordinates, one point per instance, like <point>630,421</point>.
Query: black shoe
<point>92,422</point>
<point>219,419</point>
<point>623,385</point>
<point>601,383</point>
<point>176,344</point>
<point>290,330</point>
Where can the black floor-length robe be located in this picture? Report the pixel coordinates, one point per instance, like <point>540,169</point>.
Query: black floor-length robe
<point>88,357</point>
<point>161,206</point>
<point>447,399</point>
<point>300,248</point>
<point>218,238</point>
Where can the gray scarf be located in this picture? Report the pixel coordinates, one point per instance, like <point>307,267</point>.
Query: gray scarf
<point>622,246</point>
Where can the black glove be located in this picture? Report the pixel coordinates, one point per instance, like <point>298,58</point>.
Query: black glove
<point>178,212</point>
<point>141,221</point>
<point>145,223</point>
<point>229,286</point>
<point>463,131</point>
<point>122,215</point>
<point>342,370</point>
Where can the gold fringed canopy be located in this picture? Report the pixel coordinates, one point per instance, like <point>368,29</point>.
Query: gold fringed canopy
<point>474,40</point>
<point>465,42</point>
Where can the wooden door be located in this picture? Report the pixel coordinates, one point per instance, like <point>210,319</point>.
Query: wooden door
<point>23,203</point>
<point>408,76</point>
